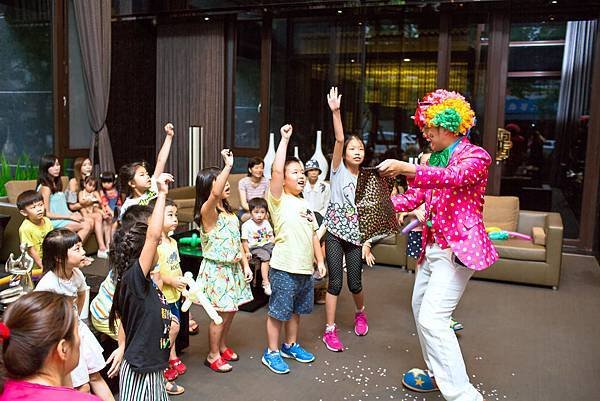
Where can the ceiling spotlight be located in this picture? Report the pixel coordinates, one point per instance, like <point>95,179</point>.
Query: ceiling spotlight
<point>554,2</point>
<point>206,18</point>
<point>339,11</point>
<point>406,59</point>
<point>352,60</point>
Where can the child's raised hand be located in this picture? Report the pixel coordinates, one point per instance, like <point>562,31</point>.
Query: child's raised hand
<point>169,129</point>
<point>227,157</point>
<point>163,181</point>
<point>334,99</point>
<point>286,131</point>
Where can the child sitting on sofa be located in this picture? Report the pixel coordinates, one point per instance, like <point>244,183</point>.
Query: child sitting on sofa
<point>36,225</point>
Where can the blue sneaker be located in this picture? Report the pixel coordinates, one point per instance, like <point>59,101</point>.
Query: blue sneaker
<point>296,352</point>
<point>273,361</point>
<point>419,380</point>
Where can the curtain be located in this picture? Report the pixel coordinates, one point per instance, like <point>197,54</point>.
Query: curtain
<point>190,82</point>
<point>575,84</point>
<point>93,25</point>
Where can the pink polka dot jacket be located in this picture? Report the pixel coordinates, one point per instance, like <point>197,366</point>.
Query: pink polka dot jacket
<point>453,198</point>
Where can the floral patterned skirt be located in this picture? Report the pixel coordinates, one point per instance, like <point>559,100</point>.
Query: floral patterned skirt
<point>224,285</point>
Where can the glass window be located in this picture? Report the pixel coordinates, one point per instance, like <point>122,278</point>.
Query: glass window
<point>26,114</point>
<point>547,113</point>
<point>381,67</point>
<point>247,85</point>
<point>468,67</point>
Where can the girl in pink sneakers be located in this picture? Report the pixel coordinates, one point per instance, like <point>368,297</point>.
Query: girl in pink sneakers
<point>341,220</point>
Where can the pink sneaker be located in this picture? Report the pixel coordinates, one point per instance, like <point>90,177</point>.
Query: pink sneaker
<point>332,341</point>
<point>361,327</point>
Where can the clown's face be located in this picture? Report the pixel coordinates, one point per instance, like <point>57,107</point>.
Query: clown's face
<point>439,138</point>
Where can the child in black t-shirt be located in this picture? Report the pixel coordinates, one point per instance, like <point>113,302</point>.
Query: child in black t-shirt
<point>142,308</point>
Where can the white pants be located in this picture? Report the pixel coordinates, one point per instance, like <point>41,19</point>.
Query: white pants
<point>439,285</point>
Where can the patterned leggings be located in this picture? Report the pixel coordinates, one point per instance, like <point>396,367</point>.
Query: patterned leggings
<point>335,249</point>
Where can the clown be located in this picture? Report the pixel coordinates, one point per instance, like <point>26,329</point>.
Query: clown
<point>454,244</point>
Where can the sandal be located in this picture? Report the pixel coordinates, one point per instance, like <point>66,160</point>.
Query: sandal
<point>193,328</point>
<point>170,374</point>
<point>175,389</point>
<point>217,364</point>
<point>178,366</point>
<point>229,355</point>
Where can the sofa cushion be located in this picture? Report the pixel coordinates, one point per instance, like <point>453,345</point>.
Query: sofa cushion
<point>518,249</point>
<point>389,240</point>
<point>14,188</point>
<point>185,203</point>
<point>501,211</point>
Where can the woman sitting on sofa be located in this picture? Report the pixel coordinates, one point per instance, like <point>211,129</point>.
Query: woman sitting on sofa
<point>55,201</point>
<point>255,185</point>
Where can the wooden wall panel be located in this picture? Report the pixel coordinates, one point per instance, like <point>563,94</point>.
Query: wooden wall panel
<point>132,102</point>
<point>190,87</point>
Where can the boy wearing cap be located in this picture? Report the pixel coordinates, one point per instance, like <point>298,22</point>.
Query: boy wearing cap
<point>316,192</point>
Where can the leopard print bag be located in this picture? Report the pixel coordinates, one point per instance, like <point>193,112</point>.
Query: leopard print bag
<point>376,215</point>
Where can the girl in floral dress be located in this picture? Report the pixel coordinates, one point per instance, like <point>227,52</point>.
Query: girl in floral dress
<point>224,272</point>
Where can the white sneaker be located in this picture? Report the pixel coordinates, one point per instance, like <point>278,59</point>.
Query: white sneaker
<point>102,254</point>
<point>267,288</point>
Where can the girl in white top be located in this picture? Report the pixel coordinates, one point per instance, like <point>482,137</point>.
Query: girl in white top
<point>63,255</point>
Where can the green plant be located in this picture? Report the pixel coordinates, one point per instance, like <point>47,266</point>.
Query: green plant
<point>24,170</point>
<point>5,174</point>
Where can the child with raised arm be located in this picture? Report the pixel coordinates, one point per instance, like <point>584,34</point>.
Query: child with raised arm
<point>224,272</point>
<point>341,220</point>
<point>141,307</point>
<point>291,268</point>
<point>134,181</point>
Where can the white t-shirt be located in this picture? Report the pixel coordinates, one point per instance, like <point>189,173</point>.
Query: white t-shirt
<point>141,200</point>
<point>257,235</point>
<point>71,287</point>
<point>317,196</point>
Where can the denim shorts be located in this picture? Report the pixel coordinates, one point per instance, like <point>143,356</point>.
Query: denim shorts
<point>291,294</point>
<point>176,309</point>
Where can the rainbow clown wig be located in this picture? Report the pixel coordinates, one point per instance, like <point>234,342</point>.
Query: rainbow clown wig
<point>445,109</point>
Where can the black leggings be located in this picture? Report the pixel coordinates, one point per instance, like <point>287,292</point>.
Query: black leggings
<point>335,249</point>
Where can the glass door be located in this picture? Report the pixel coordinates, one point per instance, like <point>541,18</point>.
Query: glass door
<point>546,111</point>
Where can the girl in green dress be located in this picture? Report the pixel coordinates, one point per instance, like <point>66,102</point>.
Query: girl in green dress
<point>224,272</point>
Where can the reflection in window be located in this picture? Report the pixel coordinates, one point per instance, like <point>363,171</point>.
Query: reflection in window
<point>247,85</point>
<point>381,67</point>
<point>468,67</point>
<point>26,120</point>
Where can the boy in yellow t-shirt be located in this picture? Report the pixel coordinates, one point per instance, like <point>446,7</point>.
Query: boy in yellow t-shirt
<point>170,278</point>
<point>36,225</point>
<point>291,272</point>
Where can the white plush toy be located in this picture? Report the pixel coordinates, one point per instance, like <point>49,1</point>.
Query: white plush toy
<point>194,294</point>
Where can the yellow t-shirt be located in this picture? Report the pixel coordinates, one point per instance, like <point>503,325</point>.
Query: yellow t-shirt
<point>33,235</point>
<point>168,263</point>
<point>293,251</point>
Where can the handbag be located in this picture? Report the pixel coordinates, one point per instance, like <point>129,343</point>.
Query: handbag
<point>376,214</point>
